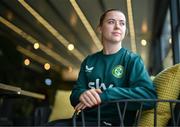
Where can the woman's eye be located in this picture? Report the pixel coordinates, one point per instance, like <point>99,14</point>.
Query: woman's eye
<point>122,23</point>
<point>111,22</point>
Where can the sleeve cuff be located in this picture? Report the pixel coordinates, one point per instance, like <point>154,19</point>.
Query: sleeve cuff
<point>103,97</point>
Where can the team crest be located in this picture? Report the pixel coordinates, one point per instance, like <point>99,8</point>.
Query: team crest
<point>118,71</point>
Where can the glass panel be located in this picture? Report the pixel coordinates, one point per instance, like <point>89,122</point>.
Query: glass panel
<point>166,42</point>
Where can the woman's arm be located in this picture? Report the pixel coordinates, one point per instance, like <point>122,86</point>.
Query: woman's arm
<point>140,85</point>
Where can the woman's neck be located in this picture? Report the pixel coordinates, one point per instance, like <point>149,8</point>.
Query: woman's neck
<point>109,48</point>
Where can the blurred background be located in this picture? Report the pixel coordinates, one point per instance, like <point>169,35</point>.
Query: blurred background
<point>43,42</point>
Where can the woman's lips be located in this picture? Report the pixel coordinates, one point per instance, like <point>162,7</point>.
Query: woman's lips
<point>116,33</point>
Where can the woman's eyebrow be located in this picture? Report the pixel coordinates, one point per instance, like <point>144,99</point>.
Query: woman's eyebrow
<point>122,21</point>
<point>110,19</point>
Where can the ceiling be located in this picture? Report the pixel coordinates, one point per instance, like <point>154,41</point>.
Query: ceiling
<point>55,24</point>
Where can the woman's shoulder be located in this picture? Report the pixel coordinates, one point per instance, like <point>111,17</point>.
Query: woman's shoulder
<point>131,55</point>
<point>133,58</point>
<point>94,55</point>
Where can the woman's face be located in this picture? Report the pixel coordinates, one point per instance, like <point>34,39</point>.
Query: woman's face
<point>113,28</point>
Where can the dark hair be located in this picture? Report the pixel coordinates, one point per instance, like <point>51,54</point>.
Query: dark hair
<point>104,15</point>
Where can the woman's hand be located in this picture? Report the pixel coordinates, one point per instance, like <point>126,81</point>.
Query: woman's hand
<point>90,98</point>
<point>80,106</point>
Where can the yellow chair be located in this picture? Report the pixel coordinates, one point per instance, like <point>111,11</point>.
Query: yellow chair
<point>62,108</point>
<point>168,87</point>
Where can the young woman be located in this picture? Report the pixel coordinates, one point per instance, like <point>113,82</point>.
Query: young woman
<point>111,74</point>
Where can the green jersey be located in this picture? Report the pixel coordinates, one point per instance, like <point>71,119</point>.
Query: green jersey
<point>120,76</point>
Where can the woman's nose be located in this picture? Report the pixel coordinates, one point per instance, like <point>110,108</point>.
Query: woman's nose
<point>117,25</point>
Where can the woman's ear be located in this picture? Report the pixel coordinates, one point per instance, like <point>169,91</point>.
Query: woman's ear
<point>99,30</point>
